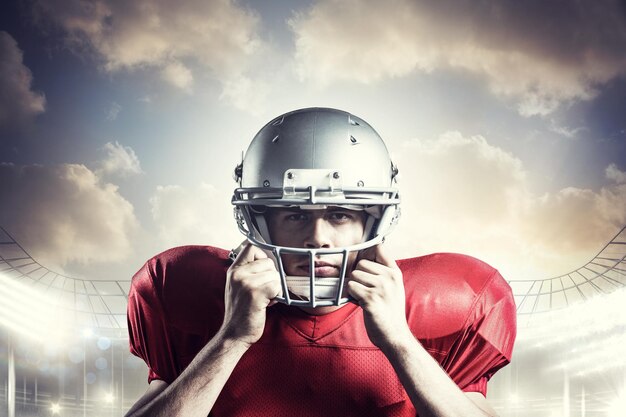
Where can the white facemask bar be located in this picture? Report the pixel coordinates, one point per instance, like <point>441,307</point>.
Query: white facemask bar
<point>313,301</point>
<point>304,196</point>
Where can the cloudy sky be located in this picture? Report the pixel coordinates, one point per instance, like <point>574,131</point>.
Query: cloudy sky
<point>121,122</point>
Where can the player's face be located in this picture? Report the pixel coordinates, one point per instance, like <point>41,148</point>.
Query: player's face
<point>328,228</point>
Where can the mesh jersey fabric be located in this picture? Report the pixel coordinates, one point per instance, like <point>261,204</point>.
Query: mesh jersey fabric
<point>459,308</point>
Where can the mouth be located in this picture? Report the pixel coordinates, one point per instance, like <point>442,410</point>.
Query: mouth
<point>322,269</point>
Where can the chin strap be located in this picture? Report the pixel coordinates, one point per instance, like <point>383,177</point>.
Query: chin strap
<point>325,287</point>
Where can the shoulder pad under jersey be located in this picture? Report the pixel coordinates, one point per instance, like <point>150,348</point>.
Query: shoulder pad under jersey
<point>188,281</point>
<point>443,289</point>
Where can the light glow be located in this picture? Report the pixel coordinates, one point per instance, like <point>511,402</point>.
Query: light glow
<point>55,408</point>
<point>589,335</point>
<point>31,312</point>
<point>597,315</point>
<point>617,407</point>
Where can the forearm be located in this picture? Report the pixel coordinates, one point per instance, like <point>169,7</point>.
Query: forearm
<point>195,391</point>
<point>430,389</point>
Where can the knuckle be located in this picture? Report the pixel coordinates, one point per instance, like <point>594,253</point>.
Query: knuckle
<point>234,277</point>
<point>267,262</point>
<point>277,288</point>
<point>365,262</point>
<point>245,285</point>
<point>376,294</point>
<point>241,282</point>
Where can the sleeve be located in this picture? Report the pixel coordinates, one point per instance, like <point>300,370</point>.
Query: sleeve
<point>147,330</point>
<point>486,343</point>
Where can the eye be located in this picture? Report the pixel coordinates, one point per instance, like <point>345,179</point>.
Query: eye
<point>340,216</point>
<point>296,217</point>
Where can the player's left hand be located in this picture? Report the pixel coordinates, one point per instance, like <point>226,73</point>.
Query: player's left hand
<point>376,284</point>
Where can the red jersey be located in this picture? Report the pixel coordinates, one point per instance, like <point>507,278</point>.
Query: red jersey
<point>459,308</point>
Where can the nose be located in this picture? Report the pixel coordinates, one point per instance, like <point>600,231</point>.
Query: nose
<point>318,234</point>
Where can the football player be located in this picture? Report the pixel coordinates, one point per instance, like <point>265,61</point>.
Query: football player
<point>312,316</point>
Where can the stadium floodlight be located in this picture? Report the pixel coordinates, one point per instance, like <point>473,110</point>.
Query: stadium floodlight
<point>55,408</point>
<point>109,398</point>
<point>31,312</point>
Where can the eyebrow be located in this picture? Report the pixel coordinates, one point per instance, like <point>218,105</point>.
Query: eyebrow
<point>301,210</point>
<point>289,209</point>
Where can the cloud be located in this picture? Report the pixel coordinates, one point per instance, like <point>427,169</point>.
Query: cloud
<point>18,102</point>
<point>65,213</point>
<point>612,172</point>
<point>574,219</point>
<point>178,75</point>
<point>463,194</point>
<point>566,131</point>
<point>246,94</point>
<point>538,54</point>
<point>114,111</point>
<point>202,215</point>
<point>217,35</point>
<point>121,161</point>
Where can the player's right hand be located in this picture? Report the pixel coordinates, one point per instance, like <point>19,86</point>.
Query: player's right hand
<point>252,283</point>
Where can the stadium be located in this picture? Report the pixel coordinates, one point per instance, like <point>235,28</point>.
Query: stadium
<point>65,352</point>
<point>121,124</point>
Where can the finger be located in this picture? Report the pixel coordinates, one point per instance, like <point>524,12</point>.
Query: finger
<point>257,266</point>
<point>250,253</point>
<point>269,285</point>
<point>358,291</point>
<point>240,247</point>
<point>382,257</point>
<point>261,285</point>
<point>371,267</point>
<point>364,278</point>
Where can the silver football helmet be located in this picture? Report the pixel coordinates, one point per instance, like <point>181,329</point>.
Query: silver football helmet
<point>314,158</point>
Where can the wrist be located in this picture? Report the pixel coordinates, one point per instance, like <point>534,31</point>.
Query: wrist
<point>400,341</point>
<point>230,339</point>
